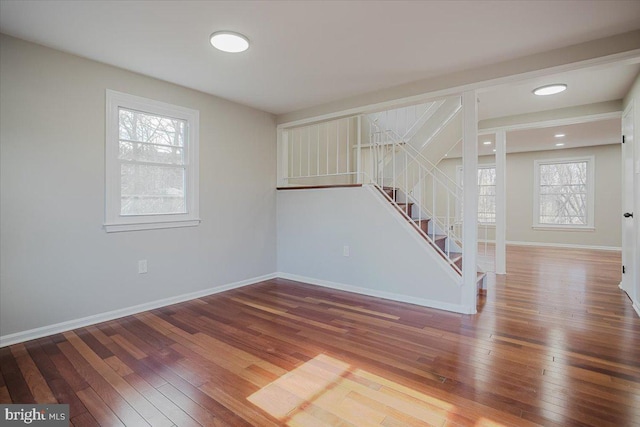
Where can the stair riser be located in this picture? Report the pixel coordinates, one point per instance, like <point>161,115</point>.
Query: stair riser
<point>423,225</point>
<point>392,193</point>
<point>406,209</point>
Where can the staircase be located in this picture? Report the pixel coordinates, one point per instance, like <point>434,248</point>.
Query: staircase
<point>397,151</point>
<point>437,241</point>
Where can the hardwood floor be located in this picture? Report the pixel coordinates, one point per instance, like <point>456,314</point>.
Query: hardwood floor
<point>555,343</point>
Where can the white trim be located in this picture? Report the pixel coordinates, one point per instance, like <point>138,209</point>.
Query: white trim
<point>563,245</point>
<point>636,308</point>
<point>115,228</point>
<point>470,198</point>
<point>456,308</point>
<point>480,86</point>
<point>551,123</point>
<point>591,184</point>
<point>114,221</point>
<point>500,222</point>
<point>43,331</point>
<point>561,227</point>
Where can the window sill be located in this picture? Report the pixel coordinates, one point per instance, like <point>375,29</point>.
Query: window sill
<point>116,228</point>
<point>563,228</point>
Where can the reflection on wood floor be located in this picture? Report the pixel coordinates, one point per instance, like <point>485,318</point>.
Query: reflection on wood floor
<point>555,343</point>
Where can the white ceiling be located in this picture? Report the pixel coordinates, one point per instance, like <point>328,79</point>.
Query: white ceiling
<point>307,53</point>
<point>583,87</point>
<point>588,134</point>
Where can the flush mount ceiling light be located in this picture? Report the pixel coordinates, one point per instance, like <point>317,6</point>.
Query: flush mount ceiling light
<point>487,143</point>
<point>559,135</point>
<point>228,41</point>
<point>550,89</point>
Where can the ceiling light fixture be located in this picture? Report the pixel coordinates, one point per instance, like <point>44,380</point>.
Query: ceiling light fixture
<point>550,89</point>
<point>494,150</point>
<point>559,144</point>
<point>228,41</point>
<point>559,135</point>
<point>487,143</point>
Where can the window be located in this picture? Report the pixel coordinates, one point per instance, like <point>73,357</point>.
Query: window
<point>563,194</point>
<point>486,194</point>
<point>151,164</point>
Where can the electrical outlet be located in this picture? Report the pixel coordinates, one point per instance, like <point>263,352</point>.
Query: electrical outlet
<point>345,250</point>
<point>142,266</point>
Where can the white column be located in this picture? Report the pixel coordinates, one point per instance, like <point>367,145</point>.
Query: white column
<point>469,199</point>
<point>359,153</point>
<point>282,153</point>
<point>501,202</point>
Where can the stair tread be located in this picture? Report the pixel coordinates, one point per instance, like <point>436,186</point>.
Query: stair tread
<point>437,236</point>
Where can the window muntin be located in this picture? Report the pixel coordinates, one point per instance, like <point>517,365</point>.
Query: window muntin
<point>487,195</point>
<point>564,193</point>
<point>152,166</point>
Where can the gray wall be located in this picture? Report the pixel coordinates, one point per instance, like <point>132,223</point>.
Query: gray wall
<point>57,263</point>
<point>388,258</point>
<point>520,176</point>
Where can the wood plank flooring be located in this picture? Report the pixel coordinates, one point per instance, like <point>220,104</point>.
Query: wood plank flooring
<point>555,343</point>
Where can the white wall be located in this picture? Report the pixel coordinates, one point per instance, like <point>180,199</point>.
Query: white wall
<point>633,99</point>
<point>57,263</point>
<point>387,258</point>
<point>520,176</point>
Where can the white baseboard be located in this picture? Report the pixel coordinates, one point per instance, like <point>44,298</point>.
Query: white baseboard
<point>563,245</point>
<point>636,307</point>
<point>44,331</point>
<point>456,308</point>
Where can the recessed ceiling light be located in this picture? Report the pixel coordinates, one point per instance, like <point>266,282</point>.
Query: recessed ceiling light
<point>559,144</point>
<point>487,143</point>
<point>550,89</point>
<point>494,150</point>
<point>228,41</point>
<point>559,135</point>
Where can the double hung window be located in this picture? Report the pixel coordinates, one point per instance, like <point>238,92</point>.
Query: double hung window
<point>151,164</point>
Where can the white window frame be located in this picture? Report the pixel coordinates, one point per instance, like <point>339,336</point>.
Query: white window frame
<point>114,221</point>
<point>459,182</point>
<point>591,166</point>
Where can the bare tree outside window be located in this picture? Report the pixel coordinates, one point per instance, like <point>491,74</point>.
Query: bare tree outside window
<point>563,190</point>
<point>152,163</point>
<point>486,195</point>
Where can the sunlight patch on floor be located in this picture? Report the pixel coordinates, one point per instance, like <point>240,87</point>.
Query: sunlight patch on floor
<point>326,391</point>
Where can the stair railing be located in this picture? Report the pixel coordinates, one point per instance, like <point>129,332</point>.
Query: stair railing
<point>405,120</point>
<point>396,167</point>
<point>332,153</point>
